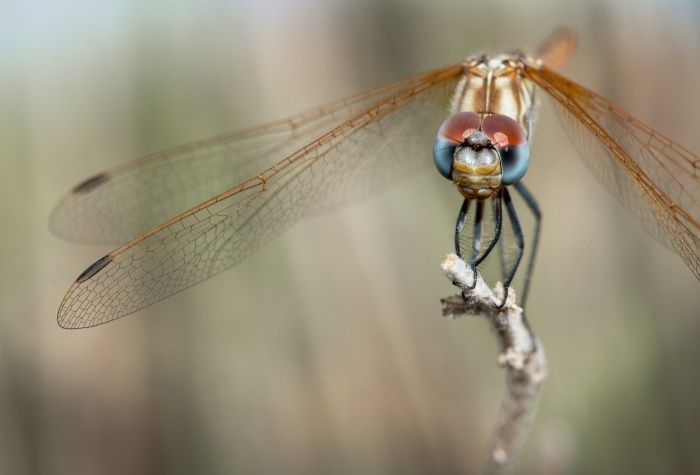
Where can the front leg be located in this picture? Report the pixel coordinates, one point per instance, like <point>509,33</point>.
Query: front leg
<point>459,226</point>
<point>477,254</point>
<point>535,209</point>
<point>519,241</point>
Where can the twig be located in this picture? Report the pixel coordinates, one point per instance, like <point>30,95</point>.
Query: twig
<point>521,354</point>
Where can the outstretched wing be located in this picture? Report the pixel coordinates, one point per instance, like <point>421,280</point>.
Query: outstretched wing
<point>119,204</point>
<point>655,178</point>
<point>382,142</point>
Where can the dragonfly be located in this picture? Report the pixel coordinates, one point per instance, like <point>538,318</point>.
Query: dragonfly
<point>183,215</point>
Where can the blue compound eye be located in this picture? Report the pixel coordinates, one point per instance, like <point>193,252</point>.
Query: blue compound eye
<point>511,142</point>
<point>452,132</point>
<point>514,161</point>
<point>443,153</point>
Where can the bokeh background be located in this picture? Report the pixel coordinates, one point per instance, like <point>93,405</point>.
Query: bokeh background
<point>325,352</point>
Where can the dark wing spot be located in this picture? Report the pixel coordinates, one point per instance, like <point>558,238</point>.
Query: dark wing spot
<point>94,269</point>
<point>91,183</point>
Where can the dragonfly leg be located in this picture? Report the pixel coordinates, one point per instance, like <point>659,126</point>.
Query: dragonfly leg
<point>476,239</point>
<point>535,209</point>
<point>518,234</point>
<point>459,226</point>
<point>498,221</point>
<point>477,254</point>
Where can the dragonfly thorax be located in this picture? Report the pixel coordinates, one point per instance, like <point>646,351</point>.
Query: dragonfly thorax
<point>496,85</point>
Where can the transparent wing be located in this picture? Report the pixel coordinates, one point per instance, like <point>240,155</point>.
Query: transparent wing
<point>115,206</point>
<point>556,50</point>
<point>382,144</point>
<point>653,177</point>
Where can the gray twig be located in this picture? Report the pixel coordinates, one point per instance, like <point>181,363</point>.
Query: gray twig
<point>521,354</point>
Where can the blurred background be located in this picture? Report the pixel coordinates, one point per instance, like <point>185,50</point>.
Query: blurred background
<point>325,352</point>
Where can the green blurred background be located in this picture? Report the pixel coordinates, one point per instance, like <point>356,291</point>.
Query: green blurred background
<point>325,352</point>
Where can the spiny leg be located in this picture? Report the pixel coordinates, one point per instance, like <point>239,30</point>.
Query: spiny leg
<point>535,209</point>
<point>502,256</point>
<point>498,222</point>
<point>476,238</point>
<point>477,255</point>
<point>476,233</point>
<point>518,234</point>
<point>459,226</point>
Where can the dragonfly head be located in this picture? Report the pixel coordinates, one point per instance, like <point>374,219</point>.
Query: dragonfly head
<point>481,155</point>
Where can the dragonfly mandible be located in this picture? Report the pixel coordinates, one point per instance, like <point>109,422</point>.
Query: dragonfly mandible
<point>185,214</point>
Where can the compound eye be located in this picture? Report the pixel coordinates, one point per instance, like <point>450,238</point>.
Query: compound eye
<point>452,132</point>
<point>503,131</point>
<point>457,127</point>
<point>510,140</point>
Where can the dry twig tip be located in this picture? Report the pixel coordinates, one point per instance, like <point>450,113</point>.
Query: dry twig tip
<point>520,353</point>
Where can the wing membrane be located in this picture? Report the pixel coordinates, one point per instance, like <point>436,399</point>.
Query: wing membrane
<point>119,204</point>
<point>381,144</point>
<point>653,177</point>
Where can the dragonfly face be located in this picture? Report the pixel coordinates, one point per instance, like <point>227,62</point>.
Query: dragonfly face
<point>476,166</point>
<point>481,155</point>
<point>183,215</point>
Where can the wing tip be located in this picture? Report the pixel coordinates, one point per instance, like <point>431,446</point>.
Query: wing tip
<point>65,324</point>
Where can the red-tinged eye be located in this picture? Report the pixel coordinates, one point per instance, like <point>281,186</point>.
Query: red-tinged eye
<point>503,131</point>
<point>451,133</point>
<point>510,140</point>
<point>458,126</point>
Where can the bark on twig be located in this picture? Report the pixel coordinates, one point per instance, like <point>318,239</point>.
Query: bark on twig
<point>521,354</point>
